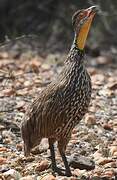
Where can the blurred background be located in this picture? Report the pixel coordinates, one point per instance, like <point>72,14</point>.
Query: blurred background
<point>51,21</point>
<point>35,37</point>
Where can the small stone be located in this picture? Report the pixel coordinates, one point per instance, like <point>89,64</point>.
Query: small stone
<point>4,55</point>
<point>2,177</point>
<point>98,79</point>
<point>90,120</point>
<point>45,67</point>
<point>19,147</point>
<point>113,86</point>
<point>7,141</point>
<point>113,150</point>
<point>108,174</point>
<point>36,150</point>
<point>46,177</point>
<point>92,71</point>
<point>111,165</point>
<point>42,166</point>
<point>30,159</point>
<point>97,155</point>
<point>44,144</point>
<point>73,178</point>
<point>12,174</point>
<point>20,105</point>
<point>26,83</point>
<point>74,131</point>
<point>73,141</point>
<point>115,154</point>
<point>8,134</point>
<point>28,178</point>
<point>103,161</point>
<point>74,136</point>
<point>2,160</point>
<point>97,173</point>
<point>9,92</point>
<point>81,162</point>
<point>35,64</point>
<point>3,149</point>
<point>102,60</point>
<point>78,172</point>
<point>2,127</point>
<point>62,178</point>
<point>115,129</point>
<point>108,127</point>
<point>4,168</point>
<point>92,109</point>
<point>41,148</point>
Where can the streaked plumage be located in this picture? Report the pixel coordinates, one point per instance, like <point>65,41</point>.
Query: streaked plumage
<point>59,107</point>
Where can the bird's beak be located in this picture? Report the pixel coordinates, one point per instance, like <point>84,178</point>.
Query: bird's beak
<point>91,11</point>
<point>83,32</point>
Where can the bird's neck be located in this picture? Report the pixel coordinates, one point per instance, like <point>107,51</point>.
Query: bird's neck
<point>74,64</point>
<point>75,56</point>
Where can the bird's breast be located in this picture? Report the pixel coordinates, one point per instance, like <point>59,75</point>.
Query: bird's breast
<point>77,97</point>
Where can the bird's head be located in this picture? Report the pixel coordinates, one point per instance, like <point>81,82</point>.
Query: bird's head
<point>81,21</point>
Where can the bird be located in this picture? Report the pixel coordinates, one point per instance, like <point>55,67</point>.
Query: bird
<point>61,105</point>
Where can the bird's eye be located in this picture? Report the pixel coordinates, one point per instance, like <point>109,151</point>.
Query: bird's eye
<point>81,15</point>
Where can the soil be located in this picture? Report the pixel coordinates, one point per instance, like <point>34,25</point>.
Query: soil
<point>94,139</point>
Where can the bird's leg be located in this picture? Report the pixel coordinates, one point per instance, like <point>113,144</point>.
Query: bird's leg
<point>52,152</point>
<point>68,171</point>
<point>62,143</point>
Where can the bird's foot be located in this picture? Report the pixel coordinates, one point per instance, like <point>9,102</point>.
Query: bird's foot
<point>58,170</point>
<point>68,173</point>
<point>62,172</point>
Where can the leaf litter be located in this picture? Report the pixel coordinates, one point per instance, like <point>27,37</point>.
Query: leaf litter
<point>95,137</point>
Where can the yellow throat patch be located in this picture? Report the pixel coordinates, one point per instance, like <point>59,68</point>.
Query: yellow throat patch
<point>82,35</point>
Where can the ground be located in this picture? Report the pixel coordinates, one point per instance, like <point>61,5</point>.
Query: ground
<point>22,77</point>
